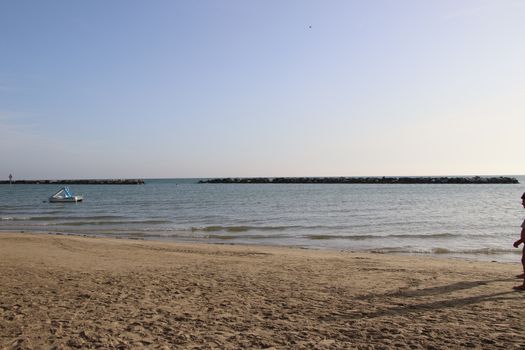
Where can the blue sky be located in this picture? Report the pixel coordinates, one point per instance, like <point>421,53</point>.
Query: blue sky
<point>100,89</point>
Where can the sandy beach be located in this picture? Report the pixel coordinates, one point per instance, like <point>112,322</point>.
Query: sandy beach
<point>64,292</point>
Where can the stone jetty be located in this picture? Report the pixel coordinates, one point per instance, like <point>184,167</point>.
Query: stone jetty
<point>78,182</point>
<point>365,180</point>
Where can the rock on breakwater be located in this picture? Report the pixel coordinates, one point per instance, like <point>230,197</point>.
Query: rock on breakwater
<point>367,180</point>
<point>78,182</point>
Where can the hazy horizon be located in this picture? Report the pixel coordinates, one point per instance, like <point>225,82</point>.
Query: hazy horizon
<point>133,89</point>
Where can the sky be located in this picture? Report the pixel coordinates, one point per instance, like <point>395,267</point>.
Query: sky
<point>165,89</point>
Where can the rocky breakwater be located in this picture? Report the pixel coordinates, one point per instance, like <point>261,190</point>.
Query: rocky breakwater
<point>366,180</point>
<point>78,182</point>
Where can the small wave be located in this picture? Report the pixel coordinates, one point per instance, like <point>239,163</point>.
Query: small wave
<point>61,217</point>
<point>221,228</point>
<point>363,237</point>
<point>16,218</point>
<point>484,251</point>
<point>350,237</point>
<point>433,235</point>
<point>105,222</point>
<point>222,237</point>
<point>64,217</point>
<point>442,250</point>
<point>250,237</point>
<point>238,228</point>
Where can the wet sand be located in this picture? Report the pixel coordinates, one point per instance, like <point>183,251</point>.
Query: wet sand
<point>78,292</point>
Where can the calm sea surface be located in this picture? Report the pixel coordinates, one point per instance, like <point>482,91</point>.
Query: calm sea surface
<point>470,221</point>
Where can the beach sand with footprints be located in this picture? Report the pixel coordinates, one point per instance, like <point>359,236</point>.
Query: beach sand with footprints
<point>61,292</point>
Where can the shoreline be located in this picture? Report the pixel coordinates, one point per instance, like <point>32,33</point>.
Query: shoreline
<point>82,292</point>
<point>507,258</point>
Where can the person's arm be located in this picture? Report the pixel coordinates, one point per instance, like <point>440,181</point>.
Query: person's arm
<point>521,240</point>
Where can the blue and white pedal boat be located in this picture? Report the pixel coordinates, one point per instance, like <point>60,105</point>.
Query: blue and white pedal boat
<point>64,195</point>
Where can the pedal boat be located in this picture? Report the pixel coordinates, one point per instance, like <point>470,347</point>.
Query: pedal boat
<point>64,195</point>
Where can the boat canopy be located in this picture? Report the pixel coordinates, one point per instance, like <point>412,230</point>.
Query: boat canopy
<point>64,192</point>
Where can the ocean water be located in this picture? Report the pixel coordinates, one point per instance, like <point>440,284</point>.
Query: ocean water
<point>467,221</point>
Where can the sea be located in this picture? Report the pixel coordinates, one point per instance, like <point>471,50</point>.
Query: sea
<point>477,221</point>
